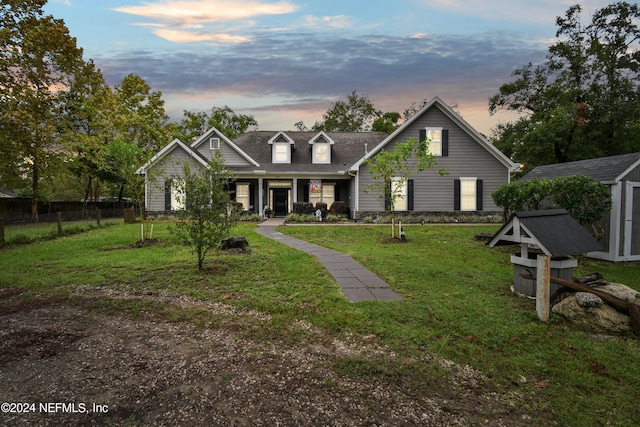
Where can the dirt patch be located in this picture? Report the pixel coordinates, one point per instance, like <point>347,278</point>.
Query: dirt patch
<point>79,366</point>
<point>139,244</point>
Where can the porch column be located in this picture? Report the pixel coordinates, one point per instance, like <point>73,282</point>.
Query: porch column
<point>295,192</point>
<point>261,197</point>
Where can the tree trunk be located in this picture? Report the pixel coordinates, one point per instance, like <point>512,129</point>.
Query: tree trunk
<point>34,190</point>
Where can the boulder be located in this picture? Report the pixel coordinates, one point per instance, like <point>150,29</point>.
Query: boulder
<point>582,308</point>
<point>239,242</point>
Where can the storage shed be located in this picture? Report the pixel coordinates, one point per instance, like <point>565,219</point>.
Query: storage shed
<point>551,232</point>
<point>621,241</point>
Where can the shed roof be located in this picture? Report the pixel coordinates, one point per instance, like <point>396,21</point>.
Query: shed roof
<point>603,169</point>
<point>554,231</point>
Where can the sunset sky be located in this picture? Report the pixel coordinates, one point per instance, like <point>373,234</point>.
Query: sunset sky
<point>286,61</point>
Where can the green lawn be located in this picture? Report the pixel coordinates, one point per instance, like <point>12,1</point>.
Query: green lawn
<point>457,306</point>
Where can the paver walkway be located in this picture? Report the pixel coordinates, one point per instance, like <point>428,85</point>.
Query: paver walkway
<point>357,282</point>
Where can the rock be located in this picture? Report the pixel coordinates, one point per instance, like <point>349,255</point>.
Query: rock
<point>585,299</point>
<point>600,318</point>
<point>239,242</point>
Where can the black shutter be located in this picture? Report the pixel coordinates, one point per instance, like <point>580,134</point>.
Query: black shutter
<point>252,197</point>
<point>336,194</point>
<point>167,195</point>
<point>410,195</point>
<point>305,196</point>
<point>387,197</point>
<point>445,142</point>
<point>456,195</point>
<point>479,195</point>
<point>423,135</point>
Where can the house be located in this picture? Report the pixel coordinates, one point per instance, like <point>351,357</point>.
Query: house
<point>275,169</point>
<point>622,225</point>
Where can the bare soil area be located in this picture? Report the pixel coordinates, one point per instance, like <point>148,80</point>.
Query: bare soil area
<point>65,363</point>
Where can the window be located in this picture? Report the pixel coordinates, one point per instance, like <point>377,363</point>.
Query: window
<point>281,152</point>
<point>214,143</point>
<point>324,192</point>
<point>173,199</point>
<point>434,135</point>
<point>468,195</point>
<point>321,153</point>
<point>242,195</point>
<point>399,191</point>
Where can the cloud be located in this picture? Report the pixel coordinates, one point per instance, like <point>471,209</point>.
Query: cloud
<point>523,11</point>
<point>177,36</point>
<point>197,12</point>
<point>334,22</point>
<point>327,67</point>
<point>180,21</point>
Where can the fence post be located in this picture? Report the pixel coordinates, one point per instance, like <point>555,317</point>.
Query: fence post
<point>98,217</point>
<point>1,231</point>
<point>543,284</point>
<point>59,223</point>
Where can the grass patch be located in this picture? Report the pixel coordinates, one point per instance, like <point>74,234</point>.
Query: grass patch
<point>457,307</point>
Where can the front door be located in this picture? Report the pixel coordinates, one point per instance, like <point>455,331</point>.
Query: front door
<point>281,201</point>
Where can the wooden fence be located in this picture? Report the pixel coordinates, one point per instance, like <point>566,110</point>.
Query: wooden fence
<point>16,210</point>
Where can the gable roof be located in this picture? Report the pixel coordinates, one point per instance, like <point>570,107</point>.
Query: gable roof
<point>604,169</point>
<point>554,231</point>
<point>436,102</point>
<point>166,150</point>
<point>227,141</point>
<point>348,148</point>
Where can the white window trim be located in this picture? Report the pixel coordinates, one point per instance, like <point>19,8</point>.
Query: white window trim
<point>402,198</point>
<point>475,193</point>
<point>177,197</point>
<point>248,196</point>
<point>315,157</point>
<point>438,144</point>
<point>281,144</point>
<point>322,197</point>
<point>214,143</point>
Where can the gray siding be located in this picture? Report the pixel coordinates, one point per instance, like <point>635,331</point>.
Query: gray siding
<point>231,156</point>
<point>170,165</point>
<point>633,175</point>
<point>467,158</point>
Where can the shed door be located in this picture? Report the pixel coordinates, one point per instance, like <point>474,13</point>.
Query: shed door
<point>632,222</point>
<point>635,222</point>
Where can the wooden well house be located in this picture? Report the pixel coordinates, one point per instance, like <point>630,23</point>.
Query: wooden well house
<point>553,233</point>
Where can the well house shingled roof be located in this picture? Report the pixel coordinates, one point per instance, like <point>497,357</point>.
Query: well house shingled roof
<point>349,147</point>
<point>603,169</point>
<point>556,231</point>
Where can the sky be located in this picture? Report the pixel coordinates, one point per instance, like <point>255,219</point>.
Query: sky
<point>286,61</point>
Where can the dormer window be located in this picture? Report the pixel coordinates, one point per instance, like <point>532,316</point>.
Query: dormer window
<point>321,148</point>
<point>281,146</point>
<point>214,143</point>
<point>281,152</point>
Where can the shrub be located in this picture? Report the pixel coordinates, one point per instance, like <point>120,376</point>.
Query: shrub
<point>303,208</point>
<point>337,218</point>
<point>585,199</point>
<point>338,208</point>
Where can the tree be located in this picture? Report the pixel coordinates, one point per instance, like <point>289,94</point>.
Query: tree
<point>392,169</point>
<point>386,123</point>
<point>586,199</point>
<point>89,108</point>
<point>223,118</point>
<point>208,215</point>
<point>39,61</point>
<point>583,101</point>
<point>356,114</point>
<point>141,127</point>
